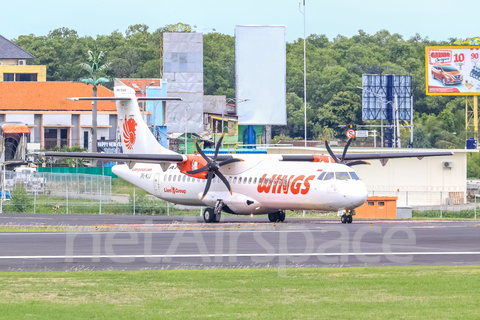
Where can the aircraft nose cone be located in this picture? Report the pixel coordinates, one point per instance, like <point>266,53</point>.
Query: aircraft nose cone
<point>356,195</point>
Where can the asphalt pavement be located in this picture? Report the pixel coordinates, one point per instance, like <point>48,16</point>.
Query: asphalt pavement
<point>159,242</point>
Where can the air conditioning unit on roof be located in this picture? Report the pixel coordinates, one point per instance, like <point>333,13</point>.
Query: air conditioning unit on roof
<point>22,62</point>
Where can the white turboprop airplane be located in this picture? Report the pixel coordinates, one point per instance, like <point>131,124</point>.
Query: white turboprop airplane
<point>236,184</point>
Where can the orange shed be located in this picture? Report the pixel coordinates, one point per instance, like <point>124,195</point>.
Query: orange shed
<point>378,208</point>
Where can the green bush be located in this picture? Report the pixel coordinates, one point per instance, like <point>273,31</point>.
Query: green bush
<point>20,201</point>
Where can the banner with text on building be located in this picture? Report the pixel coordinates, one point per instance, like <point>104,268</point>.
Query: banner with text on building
<point>452,70</point>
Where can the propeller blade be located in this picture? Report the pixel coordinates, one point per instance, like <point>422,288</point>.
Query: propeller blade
<point>355,163</point>
<point>201,152</point>
<point>222,177</point>
<point>209,182</point>
<point>229,161</point>
<point>198,170</point>
<point>330,151</point>
<point>217,148</point>
<point>346,147</point>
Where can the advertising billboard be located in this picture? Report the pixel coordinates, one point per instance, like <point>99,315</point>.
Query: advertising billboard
<point>260,75</point>
<point>452,70</point>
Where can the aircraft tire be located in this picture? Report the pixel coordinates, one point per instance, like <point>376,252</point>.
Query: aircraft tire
<point>344,219</point>
<point>349,219</point>
<point>273,217</point>
<point>281,216</point>
<point>208,215</point>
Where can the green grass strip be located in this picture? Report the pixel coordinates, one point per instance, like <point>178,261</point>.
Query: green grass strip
<point>336,293</point>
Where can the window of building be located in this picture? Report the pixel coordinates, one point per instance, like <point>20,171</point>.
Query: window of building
<point>371,203</point>
<point>8,77</point>
<point>381,203</point>
<point>25,77</point>
<point>85,139</point>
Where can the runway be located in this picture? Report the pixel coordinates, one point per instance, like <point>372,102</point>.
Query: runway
<point>146,242</point>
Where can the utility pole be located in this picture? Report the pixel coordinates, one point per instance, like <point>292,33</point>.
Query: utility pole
<point>304,68</point>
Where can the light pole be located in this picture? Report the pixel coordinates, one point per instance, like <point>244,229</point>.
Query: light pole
<point>223,108</point>
<point>381,109</point>
<point>304,68</point>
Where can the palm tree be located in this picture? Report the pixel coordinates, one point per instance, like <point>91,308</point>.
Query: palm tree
<point>94,67</point>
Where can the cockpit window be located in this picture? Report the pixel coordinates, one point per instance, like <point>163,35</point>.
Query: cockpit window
<point>320,177</point>
<point>328,176</point>
<point>354,176</point>
<point>342,176</point>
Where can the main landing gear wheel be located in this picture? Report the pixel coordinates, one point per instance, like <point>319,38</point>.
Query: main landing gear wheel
<point>208,215</point>
<point>278,216</point>
<point>344,218</point>
<point>349,219</point>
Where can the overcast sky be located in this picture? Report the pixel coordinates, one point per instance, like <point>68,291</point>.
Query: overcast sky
<point>437,19</point>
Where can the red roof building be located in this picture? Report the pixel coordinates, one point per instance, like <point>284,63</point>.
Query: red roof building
<point>52,118</point>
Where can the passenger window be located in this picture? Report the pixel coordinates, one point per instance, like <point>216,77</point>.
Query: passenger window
<point>174,178</point>
<point>255,181</point>
<point>275,181</point>
<point>342,176</point>
<point>245,180</point>
<point>354,176</point>
<point>381,203</point>
<point>184,178</point>
<point>235,180</point>
<point>320,177</point>
<point>169,177</point>
<point>165,178</point>
<point>270,181</point>
<point>371,203</point>
<point>328,176</point>
<point>250,181</point>
<point>188,179</point>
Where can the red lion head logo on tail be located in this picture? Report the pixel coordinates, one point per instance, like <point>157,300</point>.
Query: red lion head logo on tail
<point>129,132</point>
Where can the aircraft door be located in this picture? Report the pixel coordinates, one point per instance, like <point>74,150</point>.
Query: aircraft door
<point>156,184</point>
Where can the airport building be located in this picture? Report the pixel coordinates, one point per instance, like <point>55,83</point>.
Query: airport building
<point>53,120</point>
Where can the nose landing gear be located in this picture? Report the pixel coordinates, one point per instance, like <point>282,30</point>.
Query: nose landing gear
<point>347,216</point>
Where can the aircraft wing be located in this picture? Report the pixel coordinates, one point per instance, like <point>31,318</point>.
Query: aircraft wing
<point>370,156</point>
<point>394,155</point>
<point>126,157</point>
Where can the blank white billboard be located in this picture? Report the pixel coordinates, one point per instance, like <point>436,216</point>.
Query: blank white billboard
<point>260,75</point>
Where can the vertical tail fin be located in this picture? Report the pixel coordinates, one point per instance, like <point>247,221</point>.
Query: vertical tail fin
<point>135,135</point>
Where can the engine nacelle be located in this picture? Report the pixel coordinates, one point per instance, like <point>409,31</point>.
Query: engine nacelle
<point>237,203</point>
<point>193,162</point>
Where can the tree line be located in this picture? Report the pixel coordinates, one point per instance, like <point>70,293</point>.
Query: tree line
<point>334,70</point>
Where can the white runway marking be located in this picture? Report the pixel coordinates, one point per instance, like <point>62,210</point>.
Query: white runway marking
<point>236,255</point>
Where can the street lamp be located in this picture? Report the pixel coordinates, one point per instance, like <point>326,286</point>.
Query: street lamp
<point>223,109</point>
<point>381,109</point>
